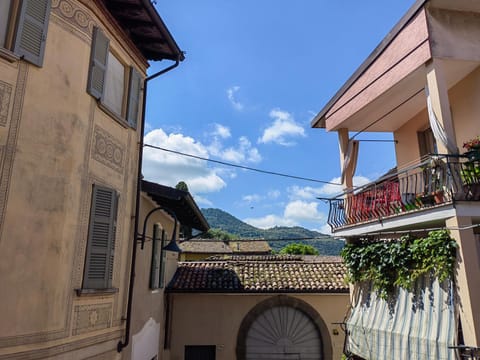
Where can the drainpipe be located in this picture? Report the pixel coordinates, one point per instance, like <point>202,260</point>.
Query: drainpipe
<point>122,344</point>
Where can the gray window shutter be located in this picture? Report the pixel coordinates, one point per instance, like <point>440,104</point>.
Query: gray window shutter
<point>101,239</point>
<point>133,97</point>
<point>163,260</point>
<point>98,63</point>
<point>156,258</point>
<point>32,28</point>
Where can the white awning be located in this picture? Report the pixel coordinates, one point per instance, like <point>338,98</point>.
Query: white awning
<point>417,326</point>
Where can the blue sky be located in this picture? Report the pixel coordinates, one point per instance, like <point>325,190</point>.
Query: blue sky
<point>255,75</point>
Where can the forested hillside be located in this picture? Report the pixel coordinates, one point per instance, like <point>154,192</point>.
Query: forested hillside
<point>325,244</point>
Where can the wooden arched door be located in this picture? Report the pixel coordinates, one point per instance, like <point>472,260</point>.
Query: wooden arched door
<point>283,328</point>
<point>285,333</point>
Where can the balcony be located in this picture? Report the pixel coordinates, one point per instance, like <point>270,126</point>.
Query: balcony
<point>434,182</point>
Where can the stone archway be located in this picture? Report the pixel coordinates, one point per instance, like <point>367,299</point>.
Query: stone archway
<point>283,328</point>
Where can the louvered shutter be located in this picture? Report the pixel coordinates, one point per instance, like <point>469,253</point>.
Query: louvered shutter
<point>163,260</point>
<point>32,28</point>
<point>133,97</point>
<point>98,63</point>
<point>101,239</point>
<point>156,256</point>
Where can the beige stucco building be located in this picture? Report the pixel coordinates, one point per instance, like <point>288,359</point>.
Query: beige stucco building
<point>162,211</point>
<point>71,90</point>
<point>257,307</point>
<point>421,83</point>
<point>200,249</point>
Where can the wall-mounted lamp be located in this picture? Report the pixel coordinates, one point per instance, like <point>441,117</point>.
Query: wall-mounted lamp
<point>172,245</point>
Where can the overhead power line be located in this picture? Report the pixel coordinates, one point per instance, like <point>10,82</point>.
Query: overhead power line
<point>200,240</point>
<point>240,166</point>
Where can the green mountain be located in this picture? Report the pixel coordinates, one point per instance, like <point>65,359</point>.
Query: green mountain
<point>279,236</point>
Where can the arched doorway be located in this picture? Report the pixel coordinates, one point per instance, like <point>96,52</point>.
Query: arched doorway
<point>283,328</point>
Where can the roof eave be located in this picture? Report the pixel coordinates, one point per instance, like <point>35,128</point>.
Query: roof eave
<point>158,192</point>
<point>178,54</point>
<point>319,121</point>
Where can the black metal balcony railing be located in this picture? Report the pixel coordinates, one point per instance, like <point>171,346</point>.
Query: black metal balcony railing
<point>437,180</point>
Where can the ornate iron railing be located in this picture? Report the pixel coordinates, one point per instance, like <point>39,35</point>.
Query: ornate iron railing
<point>435,181</point>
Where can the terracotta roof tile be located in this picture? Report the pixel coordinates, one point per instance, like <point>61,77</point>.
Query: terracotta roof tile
<point>259,276</point>
<point>226,247</point>
<point>257,258</point>
<point>209,247</point>
<point>245,246</point>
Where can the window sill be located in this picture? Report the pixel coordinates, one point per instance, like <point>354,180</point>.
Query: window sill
<point>114,115</point>
<point>96,292</point>
<point>8,55</point>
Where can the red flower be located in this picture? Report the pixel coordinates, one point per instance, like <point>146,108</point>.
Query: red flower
<point>472,144</point>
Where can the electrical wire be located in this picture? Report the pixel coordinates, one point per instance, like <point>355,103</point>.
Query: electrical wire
<point>388,113</point>
<point>240,166</point>
<point>327,237</point>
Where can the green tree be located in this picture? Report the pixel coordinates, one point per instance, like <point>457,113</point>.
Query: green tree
<point>219,234</point>
<point>299,249</point>
<point>185,231</point>
<point>182,185</point>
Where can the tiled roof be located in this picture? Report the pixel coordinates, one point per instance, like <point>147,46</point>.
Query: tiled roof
<point>277,276</point>
<point>234,257</point>
<point>245,246</point>
<point>213,246</point>
<point>205,246</point>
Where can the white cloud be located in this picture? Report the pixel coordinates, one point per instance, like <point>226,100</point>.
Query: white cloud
<point>269,221</point>
<point>302,211</point>
<point>294,214</point>
<point>256,198</point>
<point>202,201</point>
<point>221,131</point>
<point>243,152</point>
<point>273,194</point>
<point>326,229</point>
<point>231,97</point>
<point>252,198</point>
<point>168,169</point>
<point>305,193</point>
<point>310,193</point>
<point>330,189</point>
<point>282,130</point>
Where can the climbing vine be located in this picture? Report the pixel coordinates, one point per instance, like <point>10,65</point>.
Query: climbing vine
<point>388,264</point>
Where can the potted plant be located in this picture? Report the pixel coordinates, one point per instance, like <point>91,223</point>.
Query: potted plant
<point>473,148</point>
<point>433,183</point>
<point>470,175</point>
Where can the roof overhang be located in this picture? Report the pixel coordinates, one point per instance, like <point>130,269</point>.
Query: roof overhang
<point>388,88</point>
<point>179,202</point>
<point>142,23</point>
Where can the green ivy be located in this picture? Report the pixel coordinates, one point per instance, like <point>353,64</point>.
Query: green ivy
<point>400,263</point>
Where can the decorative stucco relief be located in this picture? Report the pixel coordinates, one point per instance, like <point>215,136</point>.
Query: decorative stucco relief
<point>11,143</point>
<point>2,150</point>
<point>73,14</point>
<point>73,18</point>
<point>5,96</point>
<point>108,150</point>
<point>91,317</point>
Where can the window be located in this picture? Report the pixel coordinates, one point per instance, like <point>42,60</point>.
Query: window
<point>157,270</point>
<point>200,352</point>
<point>23,28</point>
<point>114,84</point>
<point>101,239</point>
<point>4,16</point>
<point>426,142</point>
<point>107,81</point>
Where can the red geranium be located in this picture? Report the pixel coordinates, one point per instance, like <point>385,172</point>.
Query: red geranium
<point>472,144</point>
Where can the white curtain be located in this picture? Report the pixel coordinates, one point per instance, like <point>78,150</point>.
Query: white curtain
<point>437,128</point>
<point>415,325</point>
<point>350,158</point>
